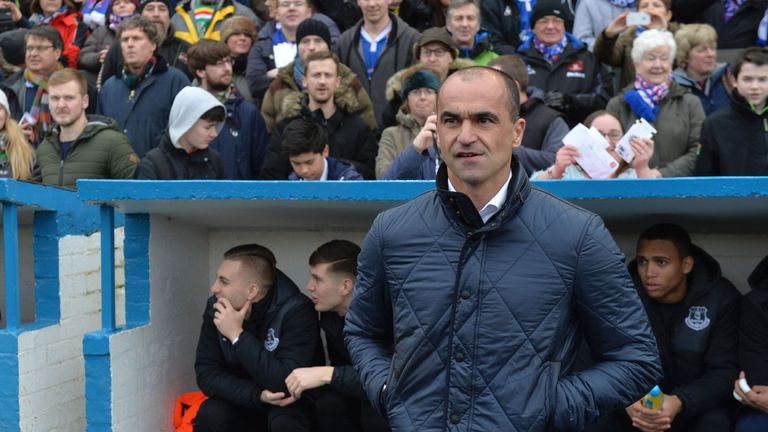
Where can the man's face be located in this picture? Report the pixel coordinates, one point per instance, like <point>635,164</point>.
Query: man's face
<point>549,29</point>
<point>200,135</point>
<point>321,79</point>
<point>137,48</point>
<point>374,11</point>
<point>476,134</point>
<point>159,15</point>
<point>752,83</point>
<point>309,166</point>
<point>436,57</point>
<point>326,289</point>
<point>290,13</point>
<point>662,271</point>
<point>310,44</point>
<point>218,76</point>
<point>40,56</point>
<point>66,103</point>
<point>232,283</point>
<point>463,23</point>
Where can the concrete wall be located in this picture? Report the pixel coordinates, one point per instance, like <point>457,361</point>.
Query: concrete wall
<point>152,364</point>
<point>51,372</point>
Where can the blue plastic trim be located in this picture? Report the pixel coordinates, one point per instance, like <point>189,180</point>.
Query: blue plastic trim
<point>107,267</point>
<point>11,255</point>
<point>136,252</point>
<point>101,191</point>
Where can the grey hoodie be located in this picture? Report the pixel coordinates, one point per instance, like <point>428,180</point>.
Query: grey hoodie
<point>188,106</point>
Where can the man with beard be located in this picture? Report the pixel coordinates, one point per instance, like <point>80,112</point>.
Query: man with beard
<point>243,140</point>
<point>349,138</point>
<point>80,146</point>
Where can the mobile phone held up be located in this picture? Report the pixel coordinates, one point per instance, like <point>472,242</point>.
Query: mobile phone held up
<point>638,19</point>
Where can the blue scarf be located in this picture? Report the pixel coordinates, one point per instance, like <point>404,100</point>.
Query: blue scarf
<point>550,52</point>
<point>646,98</point>
<point>42,19</point>
<point>731,6</point>
<point>525,9</point>
<point>298,72</point>
<point>623,3</point>
<point>762,31</point>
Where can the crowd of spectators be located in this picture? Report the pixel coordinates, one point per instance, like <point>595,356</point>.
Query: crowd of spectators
<point>695,73</point>
<point>341,90</point>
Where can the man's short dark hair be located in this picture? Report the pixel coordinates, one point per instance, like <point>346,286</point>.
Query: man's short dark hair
<point>48,33</point>
<point>455,4</point>
<point>303,136</point>
<point>206,52</point>
<point>257,259</point>
<point>340,254</point>
<point>514,66</point>
<point>318,56</point>
<point>673,233</point>
<point>758,56</point>
<point>513,94</point>
<point>216,114</point>
<point>143,24</point>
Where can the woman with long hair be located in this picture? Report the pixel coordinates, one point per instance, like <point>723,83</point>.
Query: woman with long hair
<point>17,157</point>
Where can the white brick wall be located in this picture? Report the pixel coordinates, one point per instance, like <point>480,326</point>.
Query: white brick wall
<point>51,371</point>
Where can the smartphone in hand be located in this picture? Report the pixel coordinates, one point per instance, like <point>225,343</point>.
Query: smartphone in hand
<point>638,19</point>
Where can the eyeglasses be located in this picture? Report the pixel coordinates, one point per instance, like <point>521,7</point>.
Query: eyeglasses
<point>224,61</point>
<point>612,134</point>
<point>438,52</point>
<point>38,48</point>
<point>421,92</point>
<point>294,3</point>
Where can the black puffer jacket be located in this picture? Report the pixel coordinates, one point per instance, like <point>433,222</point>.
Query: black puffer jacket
<point>739,32</point>
<point>734,142</point>
<point>166,162</point>
<point>280,335</point>
<point>474,326</point>
<point>700,357</point>
<point>753,336</point>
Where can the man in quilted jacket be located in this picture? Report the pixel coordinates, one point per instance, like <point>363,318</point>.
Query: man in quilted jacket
<point>471,299</point>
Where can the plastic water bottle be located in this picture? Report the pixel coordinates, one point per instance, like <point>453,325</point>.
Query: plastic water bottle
<point>654,399</point>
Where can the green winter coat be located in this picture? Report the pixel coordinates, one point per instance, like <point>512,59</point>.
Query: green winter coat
<point>678,125</point>
<point>100,152</point>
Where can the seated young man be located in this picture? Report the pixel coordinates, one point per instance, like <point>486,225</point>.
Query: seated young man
<point>257,328</point>
<point>340,402</point>
<point>694,313</point>
<point>733,138</point>
<point>753,353</point>
<point>305,145</point>
<point>183,152</point>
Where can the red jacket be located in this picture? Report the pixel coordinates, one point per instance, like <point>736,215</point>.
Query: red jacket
<point>73,33</point>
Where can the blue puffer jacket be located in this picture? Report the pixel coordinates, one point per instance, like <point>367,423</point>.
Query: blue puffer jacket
<point>475,327</point>
<point>242,142</point>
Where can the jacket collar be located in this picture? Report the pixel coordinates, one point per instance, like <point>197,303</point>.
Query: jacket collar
<point>462,208</point>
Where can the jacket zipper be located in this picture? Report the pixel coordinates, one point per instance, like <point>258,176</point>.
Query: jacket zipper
<point>61,172</point>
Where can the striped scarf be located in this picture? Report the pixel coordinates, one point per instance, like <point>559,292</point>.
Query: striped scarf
<point>652,94</point>
<point>40,110</point>
<point>203,14</point>
<point>731,6</point>
<point>550,52</point>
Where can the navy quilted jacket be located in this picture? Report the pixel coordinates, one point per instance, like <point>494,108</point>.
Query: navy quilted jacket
<point>475,327</point>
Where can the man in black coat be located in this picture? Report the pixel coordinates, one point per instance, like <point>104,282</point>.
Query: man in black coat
<point>349,137</point>
<point>257,328</point>
<point>694,313</point>
<point>338,396</point>
<point>734,141</point>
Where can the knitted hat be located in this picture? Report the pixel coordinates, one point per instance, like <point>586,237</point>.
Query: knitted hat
<point>236,25</point>
<point>422,78</point>
<point>167,4</point>
<point>550,7</point>
<point>4,103</point>
<point>311,27</point>
<point>436,34</point>
<point>13,46</point>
